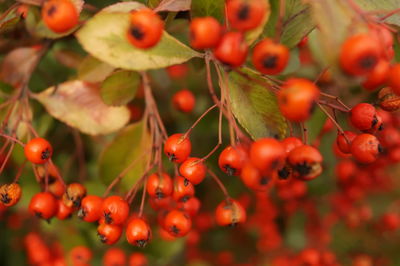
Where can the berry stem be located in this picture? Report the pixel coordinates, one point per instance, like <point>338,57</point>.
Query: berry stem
<point>331,118</point>
<point>57,173</point>
<point>336,99</point>
<point>220,184</point>
<point>7,157</point>
<point>143,198</point>
<point>20,170</point>
<point>391,13</point>
<point>198,120</point>
<point>279,23</point>
<point>80,154</point>
<point>13,139</point>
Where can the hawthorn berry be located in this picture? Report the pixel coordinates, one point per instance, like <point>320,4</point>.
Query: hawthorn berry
<point>177,223</point>
<point>306,162</point>
<point>394,78</point>
<point>378,76</point>
<point>146,28</point>
<point>73,195</point>
<point>44,205</point>
<point>254,179</point>
<point>184,101</point>
<point>194,170</point>
<point>389,137</point>
<point>245,15</point>
<point>138,232</point>
<point>344,140</point>
<point>388,100</point>
<point>38,151</point>
<point>205,32</point>
<point>297,98</point>
<point>270,57</point>
<point>115,210</point>
<point>385,39</point>
<point>232,49</point>
<point>232,159</point>
<point>159,187</point>
<point>359,54</point>
<point>80,255</point>
<point>183,189</point>
<point>165,235</point>
<point>365,148</point>
<point>290,143</point>
<point>109,233</point>
<point>230,213</point>
<point>10,194</point>
<point>177,71</point>
<point>178,147</point>
<point>191,206</point>
<point>160,203</point>
<point>114,257</point>
<point>137,259</point>
<point>390,221</point>
<point>91,208</point>
<point>345,171</point>
<point>63,211</point>
<point>363,116</point>
<point>60,15</point>
<point>267,154</point>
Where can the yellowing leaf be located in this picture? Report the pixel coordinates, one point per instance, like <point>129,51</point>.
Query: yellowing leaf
<point>131,143</point>
<point>120,88</point>
<point>173,5</point>
<point>93,70</point>
<point>255,106</point>
<point>79,105</point>
<point>105,37</point>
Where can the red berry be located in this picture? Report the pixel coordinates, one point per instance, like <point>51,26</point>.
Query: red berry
<point>191,206</point>
<point>60,15</point>
<point>389,137</point>
<point>345,171</point>
<point>390,221</point>
<point>297,98</point>
<point>230,213</point>
<point>232,49</point>
<point>91,207</point>
<point>178,71</point>
<point>306,162</point>
<point>80,256</point>
<point>365,148</point>
<point>245,15</point>
<point>177,223</point>
<point>137,259</point>
<point>184,101</point>
<point>394,78</point>
<point>204,32</point>
<point>146,28</point>
<point>74,194</point>
<point>267,154</point>
<point>138,232</point>
<point>109,233</point>
<point>232,159</point>
<point>63,211</point>
<point>378,76</point>
<point>115,210</point>
<point>178,148</point>
<point>183,189</point>
<point>159,187</point>
<point>114,257</point>
<point>290,143</point>
<point>363,116</point>
<point>160,203</point>
<point>344,141</point>
<point>44,205</point>
<point>38,151</point>
<point>359,54</point>
<point>10,194</point>
<point>270,57</point>
<point>194,170</point>
<point>254,179</point>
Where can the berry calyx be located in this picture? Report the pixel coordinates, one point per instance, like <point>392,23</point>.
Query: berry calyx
<point>232,159</point>
<point>245,15</point>
<point>178,147</point>
<point>109,233</point>
<point>177,223</point>
<point>270,57</point>
<point>138,232</point>
<point>159,187</point>
<point>10,194</point>
<point>74,194</point>
<point>306,162</point>
<point>115,210</point>
<point>183,189</point>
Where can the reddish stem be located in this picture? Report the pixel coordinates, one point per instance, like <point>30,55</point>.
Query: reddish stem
<point>198,120</point>
<point>20,171</point>
<point>220,184</point>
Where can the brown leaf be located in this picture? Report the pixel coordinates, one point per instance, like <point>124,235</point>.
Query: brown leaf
<point>174,5</point>
<point>68,58</point>
<point>79,105</point>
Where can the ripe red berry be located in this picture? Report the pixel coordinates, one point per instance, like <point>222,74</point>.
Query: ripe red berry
<point>245,15</point>
<point>267,154</point>
<point>184,101</point>
<point>91,208</point>
<point>159,187</point>
<point>344,140</point>
<point>232,49</point>
<point>306,162</point>
<point>115,210</point>
<point>194,170</point>
<point>137,259</point>
<point>114,257</point>
<point>191,206</point>
<point>183,189</point>
<point>390,221</point>
<point>177,223</point>
<point>394,78</point>
<point>230,213</point>
<point>345,171</point>
<point>270,57</point>
<point>378,76</point>
<point>254,179</point>
<point>359,54</point>
<point>60,15</point>
<point>232,159</point>
<point>10,194</point>
<point>160,203</point>
<point>109,233</point>
<point>178,147</point>
<point>38,151</point>
<point>384,38</point>
<point>297,98</point>
<point>63,211</point>
<point>138,232</point>
<point>146,28</point>
<point>177,71</point>
<point>204,32</point>
<point>44,205</point>
<point>80,255</point>
<point>363,116</point>
<point>74,194</point>
<point>365,148</point>
<point>389,137</point>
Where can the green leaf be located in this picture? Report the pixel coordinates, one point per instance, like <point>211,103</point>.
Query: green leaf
<point>120,88</point>
<point>384,6</point>
<point>9,19</point>
<point>213,8</point>
<point>93,70</point>
<point>255,106</point>
<point>252,36</point>
<point>131,143</point>
<point>79,105</point>
<point>104,37</point>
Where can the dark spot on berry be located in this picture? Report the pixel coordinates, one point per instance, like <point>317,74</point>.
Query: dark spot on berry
<point>243,12</point>
<point>229,169</point>
<point>283,173</point>
<point>102,238</point>
<point>302,168</point>
<point>137,33</point>
<point>274,164</point>
<point>82,213</point>
<point>185,182</point>
<point>52,10</point>
<point>269,61</point>
<point>45,154</point>
<point>171,157</point>
<point>380,148</point>
<point>160,195</point>
<point>38,214</point>
<point>368,62</point>
<point>185,198</point>
<point>174,230</point>
<point>232,225</point>
<point>381,127</point>
<point>374,121</point>
<point>76,202</point>
<point>264,180</point>
<point>141,243</point>
<point>107,217</point>
<point>5,198</point>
